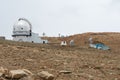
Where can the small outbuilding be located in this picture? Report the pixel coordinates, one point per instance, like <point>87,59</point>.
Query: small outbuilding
<point>2,38</point>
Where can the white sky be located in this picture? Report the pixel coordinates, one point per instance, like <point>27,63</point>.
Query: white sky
<point>61,16</point>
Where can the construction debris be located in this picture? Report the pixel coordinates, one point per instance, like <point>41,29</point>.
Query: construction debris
<point>65,72</point>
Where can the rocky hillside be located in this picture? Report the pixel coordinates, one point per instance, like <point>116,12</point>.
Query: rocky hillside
<point>65,63</point>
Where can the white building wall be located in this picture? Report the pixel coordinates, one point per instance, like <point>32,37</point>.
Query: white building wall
<point>22,39</point>
<point>34,38</point>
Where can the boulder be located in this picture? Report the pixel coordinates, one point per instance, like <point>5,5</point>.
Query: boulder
<point>17,74</point>
<point>4,71</point>
<point>45,75</point>
<point>1,74</point>
<point>1,78</point>
<point>28,78</point>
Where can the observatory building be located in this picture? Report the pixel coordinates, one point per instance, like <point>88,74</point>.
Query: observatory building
<point>22,32</point>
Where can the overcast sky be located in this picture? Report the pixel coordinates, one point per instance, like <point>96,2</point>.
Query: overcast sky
<point>61,16</point>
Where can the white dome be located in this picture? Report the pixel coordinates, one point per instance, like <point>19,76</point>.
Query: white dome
<point>22,25</point>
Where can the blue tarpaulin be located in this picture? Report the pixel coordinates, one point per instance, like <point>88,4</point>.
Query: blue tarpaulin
<point>100,46</point>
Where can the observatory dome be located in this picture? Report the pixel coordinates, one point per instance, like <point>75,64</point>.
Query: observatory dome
<point>22,25</point>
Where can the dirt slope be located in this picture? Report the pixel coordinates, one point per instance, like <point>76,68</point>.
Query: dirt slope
<point>85,63</point>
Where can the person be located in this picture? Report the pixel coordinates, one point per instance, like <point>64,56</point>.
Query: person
<point>63,43</point>
<point>90,40</point>
<point>71,42</point>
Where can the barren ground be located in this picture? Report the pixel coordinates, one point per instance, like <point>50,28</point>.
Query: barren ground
<point>85,63</point>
